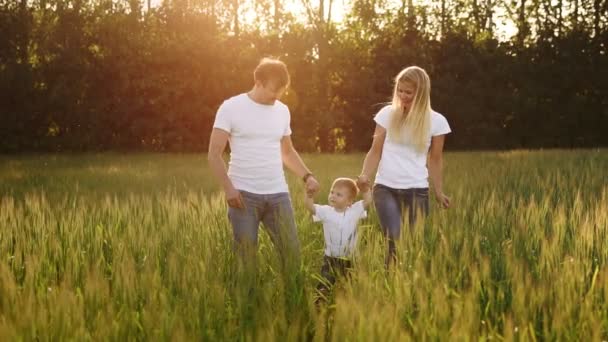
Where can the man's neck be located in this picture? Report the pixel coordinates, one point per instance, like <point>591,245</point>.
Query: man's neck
<point>254,95</point>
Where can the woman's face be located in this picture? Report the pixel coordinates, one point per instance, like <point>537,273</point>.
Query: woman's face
<point>406,92</point>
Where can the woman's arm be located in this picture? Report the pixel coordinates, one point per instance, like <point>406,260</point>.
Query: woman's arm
<point>435,165</point>
<point>372,159</point>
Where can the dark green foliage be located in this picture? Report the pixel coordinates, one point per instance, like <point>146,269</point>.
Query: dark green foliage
<point>97,76</point>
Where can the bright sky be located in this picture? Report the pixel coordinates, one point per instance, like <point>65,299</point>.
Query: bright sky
<point>504,30</point>
<point>339,7</point>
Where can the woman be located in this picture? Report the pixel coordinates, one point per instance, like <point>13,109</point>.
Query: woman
<point>409,137</point>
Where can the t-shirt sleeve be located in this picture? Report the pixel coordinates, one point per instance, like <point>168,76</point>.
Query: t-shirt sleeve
<point>440,125</point>
<point>222,118</point>
<point>320,213</point>
<point>383,117</point>
<point>287,130</point>
<point>359,208</point>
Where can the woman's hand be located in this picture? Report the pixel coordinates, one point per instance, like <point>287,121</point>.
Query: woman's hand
<point>443,200</point>
<point>363,183</point>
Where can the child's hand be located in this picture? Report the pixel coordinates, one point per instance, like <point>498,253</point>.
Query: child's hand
<point>312,186</point>
<point>309,202</point>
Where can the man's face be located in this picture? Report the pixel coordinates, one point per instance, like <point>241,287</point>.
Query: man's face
<point>270,92</point>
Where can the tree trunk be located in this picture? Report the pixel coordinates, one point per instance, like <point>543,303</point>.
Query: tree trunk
<point>559,18</point>
<point>443,16</point>
<point>475,17</point>
<point>235,18</point>
<point>522,24</point>
<point>277,14</point>
<point>596,17</point>
<point>489,17</point>
<point>575,15</point>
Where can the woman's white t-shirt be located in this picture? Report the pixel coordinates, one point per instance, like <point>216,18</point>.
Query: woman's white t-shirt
<point>401,165</point>
<point>340,228</point>
<point>255,132</point>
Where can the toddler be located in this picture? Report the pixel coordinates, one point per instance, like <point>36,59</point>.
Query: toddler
<point>340,219</point>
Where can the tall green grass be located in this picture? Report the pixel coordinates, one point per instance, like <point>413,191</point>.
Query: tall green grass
<point>138,247</point>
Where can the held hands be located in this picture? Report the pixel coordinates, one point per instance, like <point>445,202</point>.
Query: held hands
<point>443,200</point>
<point>234,199</point>
<point>312,186</point>
<point>363,183</point>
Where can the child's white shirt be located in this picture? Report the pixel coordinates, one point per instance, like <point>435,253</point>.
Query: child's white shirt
<point>340,228</point>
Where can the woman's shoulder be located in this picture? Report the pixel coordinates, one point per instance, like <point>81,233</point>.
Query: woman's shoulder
<point>383,115</point>
<point>386,109</point>
<point>438,118</point>
<point>439,123</point>
<point>436,115</point>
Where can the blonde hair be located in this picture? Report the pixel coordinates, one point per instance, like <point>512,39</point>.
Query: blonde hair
<point>273,70</point>
<point>348,183</point>
<point>413,127</point>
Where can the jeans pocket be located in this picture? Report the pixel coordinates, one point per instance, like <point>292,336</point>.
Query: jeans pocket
<point>421,193</point>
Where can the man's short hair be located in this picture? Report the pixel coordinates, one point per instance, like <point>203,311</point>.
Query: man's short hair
<point>348,183</point>
<point>271,69</point>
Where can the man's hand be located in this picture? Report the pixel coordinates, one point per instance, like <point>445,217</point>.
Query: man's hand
<point>443,200</point>
<point>363,183</point>
<point>312,186</point>
<point>234,199</point>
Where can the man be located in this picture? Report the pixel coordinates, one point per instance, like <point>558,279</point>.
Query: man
<point>257,125</point>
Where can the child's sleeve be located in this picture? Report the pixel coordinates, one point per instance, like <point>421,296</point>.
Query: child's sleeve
<point>320,213</point>
<point>359,209</point>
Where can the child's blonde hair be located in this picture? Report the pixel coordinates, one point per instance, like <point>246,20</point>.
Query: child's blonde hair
<point>348,183</point>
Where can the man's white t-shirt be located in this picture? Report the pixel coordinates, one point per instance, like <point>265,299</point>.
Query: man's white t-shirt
<point>340,228</point>
<point>401,165</point>
<point>255,132</point>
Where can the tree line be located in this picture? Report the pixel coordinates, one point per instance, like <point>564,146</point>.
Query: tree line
<point>87,75</point>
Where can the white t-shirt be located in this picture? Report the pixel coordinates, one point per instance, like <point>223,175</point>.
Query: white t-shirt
<point>401,165</point>
<point>340,228</point>
<point>255,132</point>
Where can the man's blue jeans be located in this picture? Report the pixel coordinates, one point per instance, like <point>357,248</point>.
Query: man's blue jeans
<point>276,213</point>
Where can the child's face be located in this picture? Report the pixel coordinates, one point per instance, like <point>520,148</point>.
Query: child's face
<point>339,197</point>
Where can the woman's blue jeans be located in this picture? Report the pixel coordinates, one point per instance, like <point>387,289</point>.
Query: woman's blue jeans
<point>394,206</point>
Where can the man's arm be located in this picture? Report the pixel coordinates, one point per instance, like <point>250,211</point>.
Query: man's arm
<point>294,163</point>
<point>435,165</point>
<point>217,145</point>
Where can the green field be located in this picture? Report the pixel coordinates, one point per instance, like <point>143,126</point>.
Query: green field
<point>138,247</point>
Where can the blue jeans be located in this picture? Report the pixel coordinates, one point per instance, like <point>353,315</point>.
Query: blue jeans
<point>390,205</point>
<point>276,214</point>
